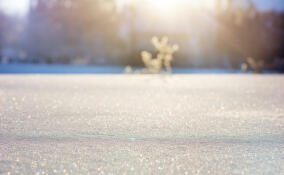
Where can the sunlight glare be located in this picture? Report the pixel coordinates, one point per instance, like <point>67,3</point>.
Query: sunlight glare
<point>19,7</point>
<point>164,5</point>
<point>168,6</point>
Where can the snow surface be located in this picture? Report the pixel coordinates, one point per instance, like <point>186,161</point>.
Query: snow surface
<point>58,69</point>
<point>91,69</point>
<point>141,124</point>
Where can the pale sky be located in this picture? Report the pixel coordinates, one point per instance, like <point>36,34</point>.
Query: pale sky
<point>20,7</point>
<point>270,4</point>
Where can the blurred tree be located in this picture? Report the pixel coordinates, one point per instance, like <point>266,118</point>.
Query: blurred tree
<point>62,31</point>
<point>10,29</point>
<point>2,29</point>
<point>246,32</point>
<point>5,26</point>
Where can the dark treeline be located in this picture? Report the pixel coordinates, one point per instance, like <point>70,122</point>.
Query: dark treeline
<point>249,35</point>
<point>93,32</point>
<point>70,31</point>
<point>64,31</point>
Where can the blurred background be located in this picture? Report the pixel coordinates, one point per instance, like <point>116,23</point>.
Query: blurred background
<point>212,34</point>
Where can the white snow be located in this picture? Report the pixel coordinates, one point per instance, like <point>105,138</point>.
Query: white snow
<point>141,124</point>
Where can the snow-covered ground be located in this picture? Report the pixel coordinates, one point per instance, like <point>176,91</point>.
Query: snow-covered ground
<point>57,69</point>
<point>90,69</point>
<point>142,124</point>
